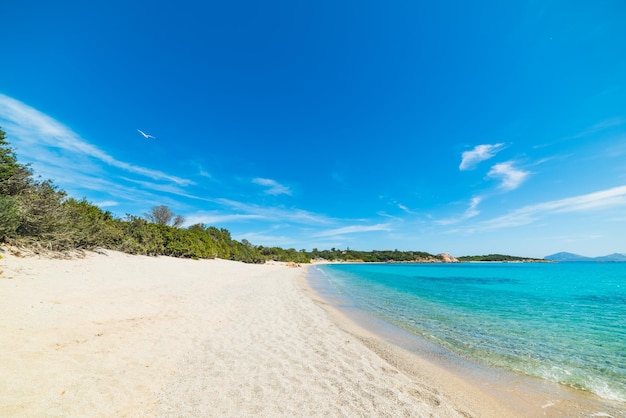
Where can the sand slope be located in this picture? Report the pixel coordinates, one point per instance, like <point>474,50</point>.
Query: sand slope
<point>118,335</point>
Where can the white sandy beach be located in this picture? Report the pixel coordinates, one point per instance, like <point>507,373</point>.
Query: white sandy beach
<point>117,335</point>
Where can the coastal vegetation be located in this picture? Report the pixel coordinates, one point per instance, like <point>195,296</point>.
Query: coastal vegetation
<point>496,257</point>
<point>375,256</point>
<point>37,214</point>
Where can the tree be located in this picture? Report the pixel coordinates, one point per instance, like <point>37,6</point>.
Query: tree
<point>37,213</point>
<point>9,217</point>
<point>8,160</point>
<point>14,177</point>
<point>28,208</point>
<point>162,215</point>
<point>41,212</point>
<point>178,221</point>
<point>90,226</point>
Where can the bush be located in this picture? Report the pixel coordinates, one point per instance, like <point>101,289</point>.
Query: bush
<point>9,218</point>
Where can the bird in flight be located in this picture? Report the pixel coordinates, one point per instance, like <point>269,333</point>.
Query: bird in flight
<point>145,135</point>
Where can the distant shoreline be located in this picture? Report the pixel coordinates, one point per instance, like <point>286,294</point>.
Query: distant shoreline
<point>313,262</point>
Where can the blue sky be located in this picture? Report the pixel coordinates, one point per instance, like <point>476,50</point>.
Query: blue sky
<point>459,127</point>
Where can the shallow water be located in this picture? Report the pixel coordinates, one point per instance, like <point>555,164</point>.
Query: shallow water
<point>563,322</point>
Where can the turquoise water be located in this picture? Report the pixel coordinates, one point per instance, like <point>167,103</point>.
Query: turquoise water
<point>564,322</point>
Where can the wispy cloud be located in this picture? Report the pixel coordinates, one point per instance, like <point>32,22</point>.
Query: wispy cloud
<point>38,133</point>
<point>106,203</point>
<point>599,127</point>
<point>352,229</point>
<point>406,209</point>
<point>470,159</point>
<point>273,213</point>
<point>616,149</point>
<point>215,218</point>
<point>273,187</point>
<point>201,170</point>
<point>166,188</point>
<point>588,202</point>
<point>470,212</point>
<point>386,215</point>
<point>511,177</point>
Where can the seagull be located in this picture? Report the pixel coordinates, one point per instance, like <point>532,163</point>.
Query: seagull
<point>145,135</point>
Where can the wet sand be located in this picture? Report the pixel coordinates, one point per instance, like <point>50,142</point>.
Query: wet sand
<point>524,395</point>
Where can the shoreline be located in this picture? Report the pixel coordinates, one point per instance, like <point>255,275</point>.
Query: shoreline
<point>522,395</point>
<point>112,334</point>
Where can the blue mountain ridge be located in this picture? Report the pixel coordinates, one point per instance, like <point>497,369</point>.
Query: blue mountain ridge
<point>564,256</point>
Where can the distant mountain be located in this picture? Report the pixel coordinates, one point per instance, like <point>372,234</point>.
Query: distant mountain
<point>616,257</point>
<point>567,257</point>
<point>612,257</point>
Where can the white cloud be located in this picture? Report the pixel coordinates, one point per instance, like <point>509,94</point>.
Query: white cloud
<point>406,209</point>
<point>592,201</point>
<point>213,218</point>
<point>510,176</point>
<point>167,188</point>
<point>599,127</point>
<point>275,213</point>
<point>39,134</point>
<point>353,229</point>
<point>386,215</point>
<point>106,203</point>
<point>470,212</point>
<point>274,188</point>
<point>470,159</point>
<point>201,170</point>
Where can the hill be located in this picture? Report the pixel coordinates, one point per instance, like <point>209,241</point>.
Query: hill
<point>615,257</point>
<point>568,257</point>
<point>564,256</point>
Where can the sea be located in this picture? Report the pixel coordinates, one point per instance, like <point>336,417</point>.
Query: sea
<point>564,322</point>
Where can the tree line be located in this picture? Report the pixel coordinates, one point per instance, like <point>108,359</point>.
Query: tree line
<point>375,256</point>
<point>496,257</point>
<point>36,213</point>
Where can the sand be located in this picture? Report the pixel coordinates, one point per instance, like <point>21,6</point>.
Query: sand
<point>112,334</point>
